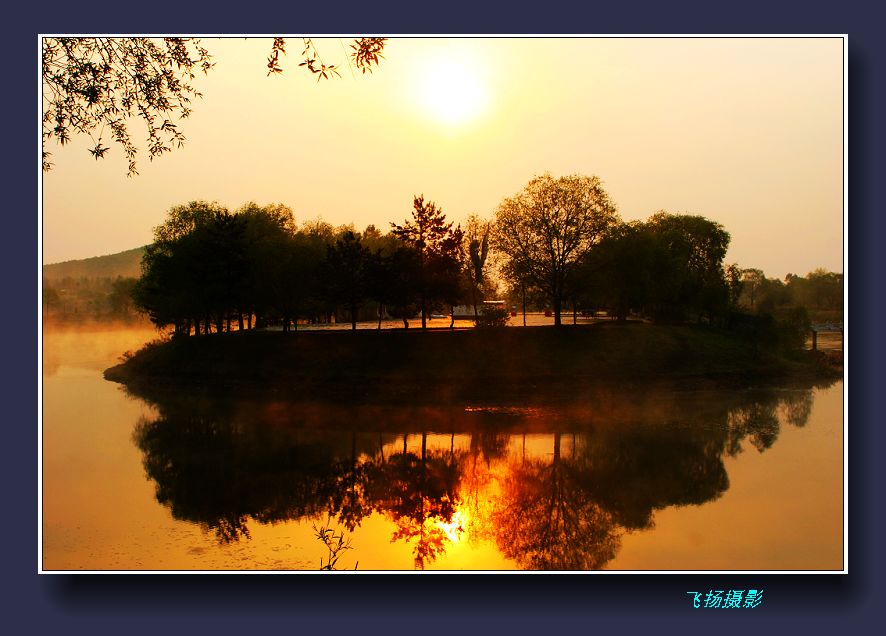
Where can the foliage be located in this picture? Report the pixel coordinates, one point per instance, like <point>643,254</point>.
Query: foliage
<point>207,264</point>
<point>98,86</point>
<point>492,317</point>
<point>669,268</point>
<point>93,86</point>
<point>397,282</point>
<point>207,267</point>
<point>819,289</point>
<point>618,274</point>
<point>783,333</point>
<point>365,52</point>
<point>794,327</point>
<point>83,298</point>
<point>346,271</point>
<point>688,265</point>
<point>819,293</point>
<point>476,247</point>
<point>336,544</point>
<point>788,308</point>
<point>438,247</point>
<point>547,228</point>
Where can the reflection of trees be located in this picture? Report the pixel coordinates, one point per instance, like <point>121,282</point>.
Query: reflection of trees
<point>758,421</point>
<point>546,520</point>
<point>348,498</point>
<point>797,406</point>
<point>569,513</point>
<point>215,472</point>
<point>756,418</point>
<point>221,468</point>
<point>420,494</point>
<point>634,470</point>
<point>487,449</point>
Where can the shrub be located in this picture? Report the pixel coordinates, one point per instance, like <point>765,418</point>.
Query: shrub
<point>493,317</point>
<point>784,333</point>
<point>794,326</point>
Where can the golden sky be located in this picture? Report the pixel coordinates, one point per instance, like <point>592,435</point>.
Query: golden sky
<point>745,131</point>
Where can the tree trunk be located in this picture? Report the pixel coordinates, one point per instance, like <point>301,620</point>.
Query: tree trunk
<point>523,289</point>
<point>240,320</point>
<point>353,317</point>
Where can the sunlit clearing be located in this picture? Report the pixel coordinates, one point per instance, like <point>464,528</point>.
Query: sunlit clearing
<point>452,91</point>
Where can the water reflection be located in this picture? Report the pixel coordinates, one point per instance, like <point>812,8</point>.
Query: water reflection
<point>551,488</point>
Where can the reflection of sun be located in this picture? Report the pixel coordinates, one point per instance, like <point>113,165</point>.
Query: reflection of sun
<point>455,528</point>
<point>452,91</point>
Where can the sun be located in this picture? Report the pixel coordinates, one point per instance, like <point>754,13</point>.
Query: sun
<point>452,91</point>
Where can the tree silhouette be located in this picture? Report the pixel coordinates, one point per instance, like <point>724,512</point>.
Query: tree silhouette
<point>208,267</point>
<point>420,493</point>
<point>546,521</point>
<point>476,238</point>
<point>218,470</point>
<point>179,283</point>
<point>346,271</point>
<point>438,246</point>
<point>618,273</point>
<point>547,228</point>
<point>688,265</point>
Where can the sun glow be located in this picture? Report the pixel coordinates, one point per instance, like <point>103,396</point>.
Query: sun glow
<point>456,526</point>
<point>452,91</point>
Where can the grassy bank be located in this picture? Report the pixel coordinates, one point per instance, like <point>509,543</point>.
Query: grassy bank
<point>526,364</point>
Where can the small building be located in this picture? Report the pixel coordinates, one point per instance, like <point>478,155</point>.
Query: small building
<point>466,312</point>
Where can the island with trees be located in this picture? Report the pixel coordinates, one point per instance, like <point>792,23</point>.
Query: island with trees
<point>630,302</point>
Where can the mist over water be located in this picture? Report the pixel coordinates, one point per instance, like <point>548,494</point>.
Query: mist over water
<point>643,480</point>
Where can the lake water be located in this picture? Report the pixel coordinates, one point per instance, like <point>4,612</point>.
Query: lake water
<point>646,480</point>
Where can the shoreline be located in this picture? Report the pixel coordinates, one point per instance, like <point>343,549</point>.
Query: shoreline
<point>495,366</point>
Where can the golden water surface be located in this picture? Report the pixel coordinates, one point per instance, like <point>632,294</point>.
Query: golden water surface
<point>639,480</point>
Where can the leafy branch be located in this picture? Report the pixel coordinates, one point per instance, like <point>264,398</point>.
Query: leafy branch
<point>336,544</point>
<point>98,86</point>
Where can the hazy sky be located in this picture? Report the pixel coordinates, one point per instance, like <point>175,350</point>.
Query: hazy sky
<point>747,132</point>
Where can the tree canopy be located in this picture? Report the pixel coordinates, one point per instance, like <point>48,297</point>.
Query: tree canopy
<point>438,246</point>
<point>208,267</point>
<point>667,267</point>
<point>547,228</point>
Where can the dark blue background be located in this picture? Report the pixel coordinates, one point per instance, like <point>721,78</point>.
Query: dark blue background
<point>222,604</point>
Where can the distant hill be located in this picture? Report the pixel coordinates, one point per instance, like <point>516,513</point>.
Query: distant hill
<point>126,264</point>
